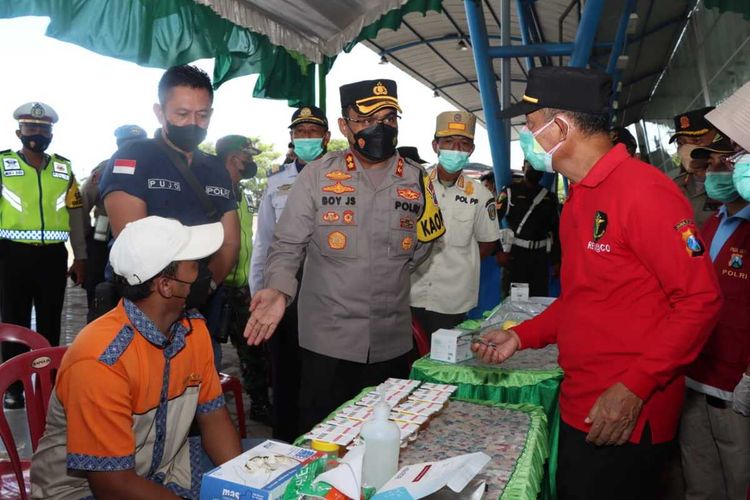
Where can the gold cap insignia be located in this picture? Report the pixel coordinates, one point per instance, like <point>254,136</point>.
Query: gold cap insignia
<point>305,112</point>
<point>379,89</point>
<point>684,122</point>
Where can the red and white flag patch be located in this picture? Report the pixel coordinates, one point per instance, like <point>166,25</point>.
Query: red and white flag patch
<point>124,167</point>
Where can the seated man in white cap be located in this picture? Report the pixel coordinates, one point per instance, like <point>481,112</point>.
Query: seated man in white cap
<point>134,380</point>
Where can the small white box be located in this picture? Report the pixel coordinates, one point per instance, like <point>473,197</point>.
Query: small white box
<point>273,466</point>
<point>452,346</point>
<point>519,292</point>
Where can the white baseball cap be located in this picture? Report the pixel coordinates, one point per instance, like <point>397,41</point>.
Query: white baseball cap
<point>146,246</point>
<point>732,117</point>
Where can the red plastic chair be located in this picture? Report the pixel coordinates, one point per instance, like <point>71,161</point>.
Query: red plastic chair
<point>233,385</point>
<point>421,339</point>
<point>42,364</point>
<point>22,335</point>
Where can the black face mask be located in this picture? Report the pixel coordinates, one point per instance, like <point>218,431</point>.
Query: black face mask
<point>249,169</point>
<point>376,143</point>
<point>200,289</point>
<point>36,143</point>
<point>533,176</point>
<point>186,137</point>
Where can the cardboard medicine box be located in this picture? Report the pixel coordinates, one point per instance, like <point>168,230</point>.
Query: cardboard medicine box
<point>452,346</point>
<point>261,473</point>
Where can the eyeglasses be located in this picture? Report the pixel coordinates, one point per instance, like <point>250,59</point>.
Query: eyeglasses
<point>731,159</point>
<point>391,120</point>
<point>181,281</point>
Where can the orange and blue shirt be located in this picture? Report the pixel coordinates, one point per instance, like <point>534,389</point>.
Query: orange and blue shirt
<point>125,398</point>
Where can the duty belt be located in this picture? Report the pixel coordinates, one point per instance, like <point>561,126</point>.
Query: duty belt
<point>529,244</point>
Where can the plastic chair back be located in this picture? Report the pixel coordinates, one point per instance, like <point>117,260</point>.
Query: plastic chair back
<point>22,335</point>
<point>36,370</point>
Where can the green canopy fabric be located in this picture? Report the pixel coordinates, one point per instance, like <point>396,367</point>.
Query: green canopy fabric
<point>738,6</point>
<point>166,33</point>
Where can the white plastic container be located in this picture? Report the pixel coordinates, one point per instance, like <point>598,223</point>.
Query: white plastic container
<point>382,443</point>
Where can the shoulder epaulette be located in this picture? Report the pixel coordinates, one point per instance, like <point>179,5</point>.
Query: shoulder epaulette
<point>61,157</point>
<point>275,169</point>
<point>414,164</point>
<point>6,151</point>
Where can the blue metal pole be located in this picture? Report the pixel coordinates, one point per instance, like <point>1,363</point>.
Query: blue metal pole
<point>524,26</point>
<point>499,143</point>
<point>586,34</point>
<point>620,37</point>
<point>537,49</point>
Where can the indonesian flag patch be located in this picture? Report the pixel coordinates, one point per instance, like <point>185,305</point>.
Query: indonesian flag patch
<point>124,167</point>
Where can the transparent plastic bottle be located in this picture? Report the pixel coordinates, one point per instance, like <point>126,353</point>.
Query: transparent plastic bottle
<point>382,442</point>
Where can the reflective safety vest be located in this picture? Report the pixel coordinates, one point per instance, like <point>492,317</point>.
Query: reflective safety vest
<point>238,277</point>
<point>34,203</point>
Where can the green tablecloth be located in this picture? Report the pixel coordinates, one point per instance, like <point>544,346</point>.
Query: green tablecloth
<point>518,443</point>
<point>529,377</point>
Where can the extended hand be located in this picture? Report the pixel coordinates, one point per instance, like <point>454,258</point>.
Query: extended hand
<point>496,346</point>
<point>613,416</point>
<point>266,310</point>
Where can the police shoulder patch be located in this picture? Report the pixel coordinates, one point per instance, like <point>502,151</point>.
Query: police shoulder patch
<point>60,157</point>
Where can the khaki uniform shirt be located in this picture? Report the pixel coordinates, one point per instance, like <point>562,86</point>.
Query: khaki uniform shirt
<point>448,281</point>
<point>359,243</point>
<point>703,207</point>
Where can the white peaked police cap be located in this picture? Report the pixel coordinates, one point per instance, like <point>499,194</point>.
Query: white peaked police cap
<point>147,246</point>
<point>732,117</point>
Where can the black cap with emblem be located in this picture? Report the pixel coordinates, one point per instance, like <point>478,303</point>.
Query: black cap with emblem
<point>721,145</point>
<point>368,96</point>
<point>309,114</point>
<point>560,87</point>
<point>692,123</point>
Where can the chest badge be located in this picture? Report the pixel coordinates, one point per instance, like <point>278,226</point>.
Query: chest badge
<point>337,240</point>
<point>338,188</point>
<point>407,194</point>
<point>330,216</point>
<point>407,243</point>
<point>348,217</point>
<point>338,175</point>
<point>735,261</point>
<point>600,224</point>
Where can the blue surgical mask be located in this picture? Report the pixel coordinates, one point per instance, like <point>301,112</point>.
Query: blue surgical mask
<point>452,161</point>
<point>741,176</point>
<point>720,187</point>
<point>534,152</point>
<point>308,149</point>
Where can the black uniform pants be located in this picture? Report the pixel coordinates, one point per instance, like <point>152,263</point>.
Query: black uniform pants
<point>528,266</point>
<point>432,321</point>
<point>329,382</point>
<point>285,376</point>
<point>32,275</point>
<point>628,472</point>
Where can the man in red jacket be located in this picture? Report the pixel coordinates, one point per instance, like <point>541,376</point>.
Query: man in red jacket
<point>639,295</point>
<point>714,439</point>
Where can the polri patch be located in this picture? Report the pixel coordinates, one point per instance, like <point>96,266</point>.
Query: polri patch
<point>337,240</point>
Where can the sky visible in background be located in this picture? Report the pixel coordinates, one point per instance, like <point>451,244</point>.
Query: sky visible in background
<point>94,94</point>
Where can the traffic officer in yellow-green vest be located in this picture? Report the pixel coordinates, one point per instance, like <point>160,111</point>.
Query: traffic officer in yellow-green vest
<point>39,209</point>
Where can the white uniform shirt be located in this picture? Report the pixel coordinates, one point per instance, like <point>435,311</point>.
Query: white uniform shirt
<point>272,204</point>
<point>448,281</point>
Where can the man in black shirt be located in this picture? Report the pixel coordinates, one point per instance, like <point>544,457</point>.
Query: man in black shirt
<point>531,212</point>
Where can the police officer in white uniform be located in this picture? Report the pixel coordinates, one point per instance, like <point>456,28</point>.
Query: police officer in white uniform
<point>309,134</point>
<point>446,286</point>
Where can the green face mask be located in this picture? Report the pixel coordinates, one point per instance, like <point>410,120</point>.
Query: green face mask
<point>741,176</point>
<point>308,149</point>
<point>720,187</point>
<point>452,161</point>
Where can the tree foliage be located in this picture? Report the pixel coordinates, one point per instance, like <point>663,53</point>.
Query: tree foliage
<point>338,145</point>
